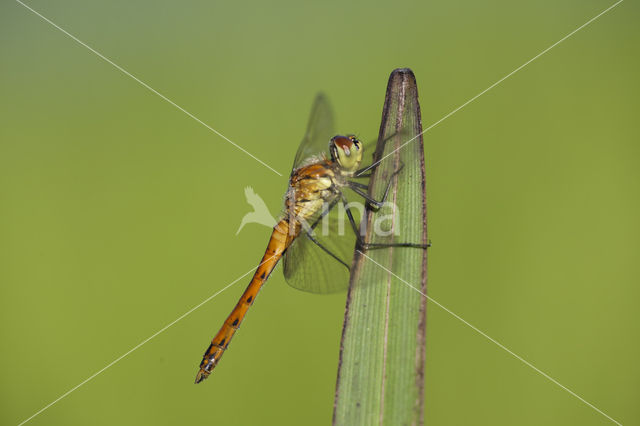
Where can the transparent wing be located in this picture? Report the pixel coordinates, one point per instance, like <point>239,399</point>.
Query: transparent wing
<point>319,131</point>
<point>308,267</point>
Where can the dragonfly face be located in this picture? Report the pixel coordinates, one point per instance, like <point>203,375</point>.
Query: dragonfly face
<point>347,152</point>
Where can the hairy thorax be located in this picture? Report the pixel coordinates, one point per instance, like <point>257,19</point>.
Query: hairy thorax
<point>309,187</point>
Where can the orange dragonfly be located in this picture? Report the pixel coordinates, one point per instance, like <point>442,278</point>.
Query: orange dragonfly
<point>311,262</point>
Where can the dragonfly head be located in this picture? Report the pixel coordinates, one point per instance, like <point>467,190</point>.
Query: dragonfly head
<point>346,151</point>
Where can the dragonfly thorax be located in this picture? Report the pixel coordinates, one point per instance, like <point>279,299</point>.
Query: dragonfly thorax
<point>309,188</point>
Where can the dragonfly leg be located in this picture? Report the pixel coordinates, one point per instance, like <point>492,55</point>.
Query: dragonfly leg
<point>357,188</point>
<point>372,202</point>
<point>365,172</point>
<point>372,246</point>
<point>359,185</point>
<point>309,233</point>
<point>312,238</point>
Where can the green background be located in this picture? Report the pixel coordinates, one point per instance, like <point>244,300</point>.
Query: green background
<point>118,212</point>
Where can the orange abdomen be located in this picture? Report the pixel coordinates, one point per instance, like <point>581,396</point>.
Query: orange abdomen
<point>281,238</point>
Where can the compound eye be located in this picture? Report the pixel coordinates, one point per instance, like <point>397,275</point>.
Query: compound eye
<point>334,151</point>
<point>355,141</point>
<point>343,143</point>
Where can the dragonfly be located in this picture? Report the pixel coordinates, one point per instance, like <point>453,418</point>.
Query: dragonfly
<point>325,166</point>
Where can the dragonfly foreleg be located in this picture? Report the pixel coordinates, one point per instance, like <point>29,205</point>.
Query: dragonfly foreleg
<point>361,173</point>
<point>357,188</point>
<point>370,200</point>
<point>372,246</point>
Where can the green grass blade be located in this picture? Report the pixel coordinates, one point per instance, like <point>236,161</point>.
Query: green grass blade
<point>381,370</point>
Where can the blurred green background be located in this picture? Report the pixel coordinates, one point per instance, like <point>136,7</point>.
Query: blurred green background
<point>118,212</point>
